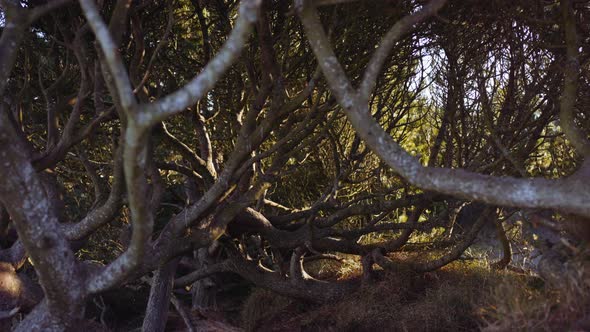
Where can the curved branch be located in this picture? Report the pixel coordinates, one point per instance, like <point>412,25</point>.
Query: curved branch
<point>200,274</point>
<point>459,248</point>
<point>391,37</point>
<point>111,54</point>
<point>107,211</point>
<point>568,195</point>
<point>134,157</point>
<point>197,88</point>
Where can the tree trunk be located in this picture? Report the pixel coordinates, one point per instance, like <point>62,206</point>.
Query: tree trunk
<point>159,301</point>
<point>506,250</point>
<point>204,291</point>
<point>41,320</point>
<point>25,194</point>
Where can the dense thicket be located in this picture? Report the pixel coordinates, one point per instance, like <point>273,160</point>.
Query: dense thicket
<point>178,140</point>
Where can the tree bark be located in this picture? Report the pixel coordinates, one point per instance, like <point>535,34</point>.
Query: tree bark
<point>204,291</point>
<point>25,194</point>
<point>506,250</point>
<point>159,300</point>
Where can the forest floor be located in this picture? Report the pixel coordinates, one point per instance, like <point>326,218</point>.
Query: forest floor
<point>463,296</point>
<point>466,295</point>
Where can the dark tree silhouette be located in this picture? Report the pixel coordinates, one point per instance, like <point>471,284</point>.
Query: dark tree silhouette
<point>254,136</point>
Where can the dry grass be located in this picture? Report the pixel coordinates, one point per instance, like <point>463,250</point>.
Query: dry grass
<point>517,304</point>
<point>401,301</point>
<point>406,301</point>
<point>261,307</point>
<point>463,296</point>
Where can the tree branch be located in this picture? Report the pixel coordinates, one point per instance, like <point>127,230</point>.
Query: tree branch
<point>202,83</point>
<point>111,54</point>
<point>380,55</point>
<point>569,95</point>
<point>564,194</point>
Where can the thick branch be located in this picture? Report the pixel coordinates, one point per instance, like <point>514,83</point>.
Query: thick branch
<point>566,194</point>
<point>26,198</point>
<point>200,85</point>
<point>159,300</point>
<point>111,55</point>
<point>12,34</point>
